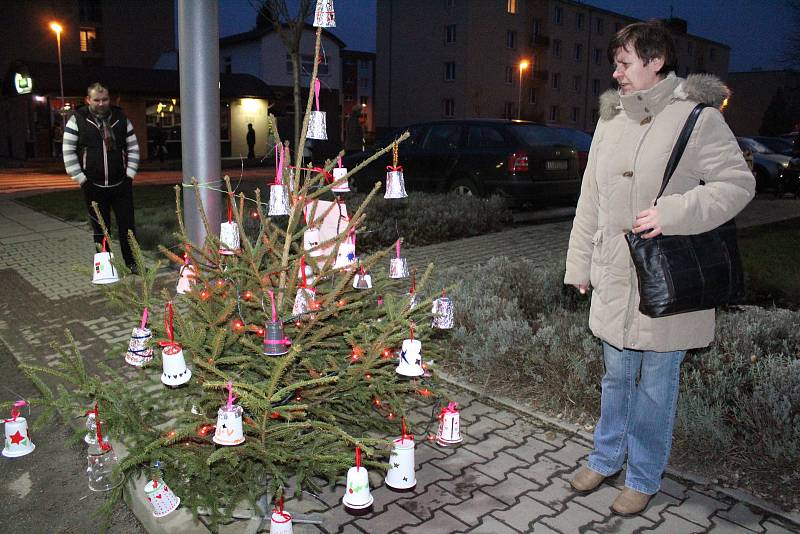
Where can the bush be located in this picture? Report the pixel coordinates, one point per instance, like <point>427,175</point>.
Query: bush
<point>522,331</point>
<point>424,219</point>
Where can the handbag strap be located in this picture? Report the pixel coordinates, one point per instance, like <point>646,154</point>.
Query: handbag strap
<point>680,146</point>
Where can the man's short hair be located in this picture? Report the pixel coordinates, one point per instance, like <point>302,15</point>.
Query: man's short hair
<point>650,40</point>
<point>96,86</point>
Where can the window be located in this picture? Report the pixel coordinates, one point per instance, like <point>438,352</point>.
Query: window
<point>449,71</point>
<point>553,114</point>
<point>442,137</point>
<point>511,39</point>
<point>307,65</point>
<point>597,55</point>
<point>557,47</point>
<point>578,52</point>
<point>577,83</point>
<point>579,21</point>
<point>532,95</point>
<point>228,66</point>
<point>364,83</point>
<point>363,64</point>
<point>449,4</point>
<point>508,110</point>
<point>556,80</point>
<point>484,137</point>
<point>88,40</point>
<point>450,33</point>
<point>558,15</point>
<point>598,26</point>
<point>348,97</point>
<point>364,101</point>
<point>511,6</point>
<point>595,87</point>
<point>509,74</point>
<point>449,107</point>
<point>574,114</point>
<point>536,27</point>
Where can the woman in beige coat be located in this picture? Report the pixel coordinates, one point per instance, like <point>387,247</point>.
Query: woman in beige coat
<point>638,127</point>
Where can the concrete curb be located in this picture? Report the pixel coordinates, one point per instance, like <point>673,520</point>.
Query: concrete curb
<point>588,439</point>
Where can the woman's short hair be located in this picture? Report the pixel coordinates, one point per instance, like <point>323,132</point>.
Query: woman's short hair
<point>650,40</point>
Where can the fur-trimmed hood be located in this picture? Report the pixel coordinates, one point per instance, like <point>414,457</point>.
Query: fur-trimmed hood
<point>700,88</point>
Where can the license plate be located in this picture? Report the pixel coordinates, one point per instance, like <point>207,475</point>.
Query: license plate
<point>556,165</point>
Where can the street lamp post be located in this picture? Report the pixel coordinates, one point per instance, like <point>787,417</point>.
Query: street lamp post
<point>522,66</point>
<point>56,27</point>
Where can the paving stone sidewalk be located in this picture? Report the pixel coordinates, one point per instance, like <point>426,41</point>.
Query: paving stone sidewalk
<point>509,475</point>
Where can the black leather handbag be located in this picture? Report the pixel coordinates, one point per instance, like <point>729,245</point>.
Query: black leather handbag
<point>684,273</point>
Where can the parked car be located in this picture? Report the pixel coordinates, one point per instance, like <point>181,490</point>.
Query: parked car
<point>580,141</point>
<point>779,145</point>
<point>767,163</point>
<point>789,179</point>
<point>527,162</point>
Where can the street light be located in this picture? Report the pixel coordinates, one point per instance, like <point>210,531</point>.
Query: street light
<point>522,66</point>
<point>56,27</point>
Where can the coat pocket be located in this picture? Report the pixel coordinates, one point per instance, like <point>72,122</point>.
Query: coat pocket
<point>598,262</point>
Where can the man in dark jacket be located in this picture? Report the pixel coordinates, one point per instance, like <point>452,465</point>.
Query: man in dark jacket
<point>102,155</point>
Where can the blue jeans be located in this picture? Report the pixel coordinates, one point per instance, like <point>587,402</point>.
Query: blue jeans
<point>637,413</point>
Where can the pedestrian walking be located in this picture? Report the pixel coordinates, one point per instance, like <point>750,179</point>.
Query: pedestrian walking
<point>638,126</point>
<point>102,155</point>
<point>251,142</point>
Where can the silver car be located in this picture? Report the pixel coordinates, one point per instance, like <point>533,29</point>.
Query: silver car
<point>767,163</point>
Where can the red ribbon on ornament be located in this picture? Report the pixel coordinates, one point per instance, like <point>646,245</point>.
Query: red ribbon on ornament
<point>405,435</point>
<point>98,431</point>
<point>316,92</point>
<point>397,168</point>
<point>279,510</point>
<point>358,458</point>
<point>303,271</point>
<point>15,411</point>
<point>231,397</point>
<point>412,332</point>
<point>272,301</point>
<point>339,160</point>
<point>397,248</point>
<point>413,281</point>
<point>279,161</point>
<point>230,208</point>
<point>144,319</point>
<point>452,407</point>
<point>104,243</point>
<point>168,316</point>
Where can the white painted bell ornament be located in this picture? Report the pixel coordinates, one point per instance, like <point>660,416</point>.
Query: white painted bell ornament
<point>346,252</point>
<point>187,277</point>
<point>229,238</point>
<point>161,498</point>
<point>317,127</point>
<point>278,193</point>
<point>449,432</point>
<point>340,183</point>
<point>229,429</point>
<point>401,475</point>
<point>410,363</point>
<point>17,439</point>
<point>362,279</point>
<point>395,183</point>
<point>104,271</point>
<point>280,520</point>
<point>174,370</point>
<point>324,16</point>
<point>357,495</point>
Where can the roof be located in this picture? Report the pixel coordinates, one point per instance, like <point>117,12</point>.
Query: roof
<point>126,80</point>
<point>257,33</point>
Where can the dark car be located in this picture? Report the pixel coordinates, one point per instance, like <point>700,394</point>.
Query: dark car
<point>525,161</point>
<point>580,141</point>
<point>767,163</point>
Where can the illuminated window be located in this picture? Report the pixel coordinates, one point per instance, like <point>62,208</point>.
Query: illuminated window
<point>88,39</point>
<point>511,6</point>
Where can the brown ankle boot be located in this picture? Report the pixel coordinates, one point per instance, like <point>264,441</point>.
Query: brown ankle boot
<point>630,502</point>
<point>586,480</point>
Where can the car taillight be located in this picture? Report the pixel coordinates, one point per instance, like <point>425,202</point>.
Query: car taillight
<point>518,162</point>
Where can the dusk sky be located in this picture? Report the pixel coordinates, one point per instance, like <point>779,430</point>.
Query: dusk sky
<point>754,29</point>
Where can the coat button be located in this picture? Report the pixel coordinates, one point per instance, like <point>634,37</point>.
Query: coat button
<point>627,174</point>
<point>646,120</point>
<point>639,97</point>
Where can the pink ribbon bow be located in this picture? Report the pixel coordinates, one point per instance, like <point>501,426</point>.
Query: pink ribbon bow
<point>15,410</point>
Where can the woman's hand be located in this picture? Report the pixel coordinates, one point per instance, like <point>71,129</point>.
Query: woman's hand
<point>647,221</point>
<point>582,288</point>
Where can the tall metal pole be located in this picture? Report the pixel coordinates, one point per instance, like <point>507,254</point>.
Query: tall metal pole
<point>60,74</point>
<point>519,95</point>
<point>198,54</point>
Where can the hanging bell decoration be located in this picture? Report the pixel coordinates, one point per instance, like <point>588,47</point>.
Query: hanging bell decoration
<point>229,422</point>
<point>398,267</point>
<point>395,184</point>
<point>229,233</point>
<point>187,277</point>
<point>317,128</point>
<point>357,494</point>
<point>324,16</point>
<point>175,372</point>
<point>275,341</point>
<point>139,350</point>
<point>278,193</point>
<point>340,183</point>
<point>442,312</point>
<point>104,271</point>
<point>449,432</point>
<point>280,520</point>
<point>17,439</point>
<point>410,364</point>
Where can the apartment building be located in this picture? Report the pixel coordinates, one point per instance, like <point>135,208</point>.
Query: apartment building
<point>358,86</point>
<point>540,60</point>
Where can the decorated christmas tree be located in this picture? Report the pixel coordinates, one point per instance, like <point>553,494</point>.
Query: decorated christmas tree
<point>281,351</point>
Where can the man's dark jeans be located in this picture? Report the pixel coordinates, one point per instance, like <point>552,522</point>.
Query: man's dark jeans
<point>118,198</point>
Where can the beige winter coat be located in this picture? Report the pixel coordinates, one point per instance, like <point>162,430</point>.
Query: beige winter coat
<point>630,149</point>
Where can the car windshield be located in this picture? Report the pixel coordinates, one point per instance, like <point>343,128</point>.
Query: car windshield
<point>755,146</point>
<point>538,135</point>
<point>776,144</point>
<point>580,141</point>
